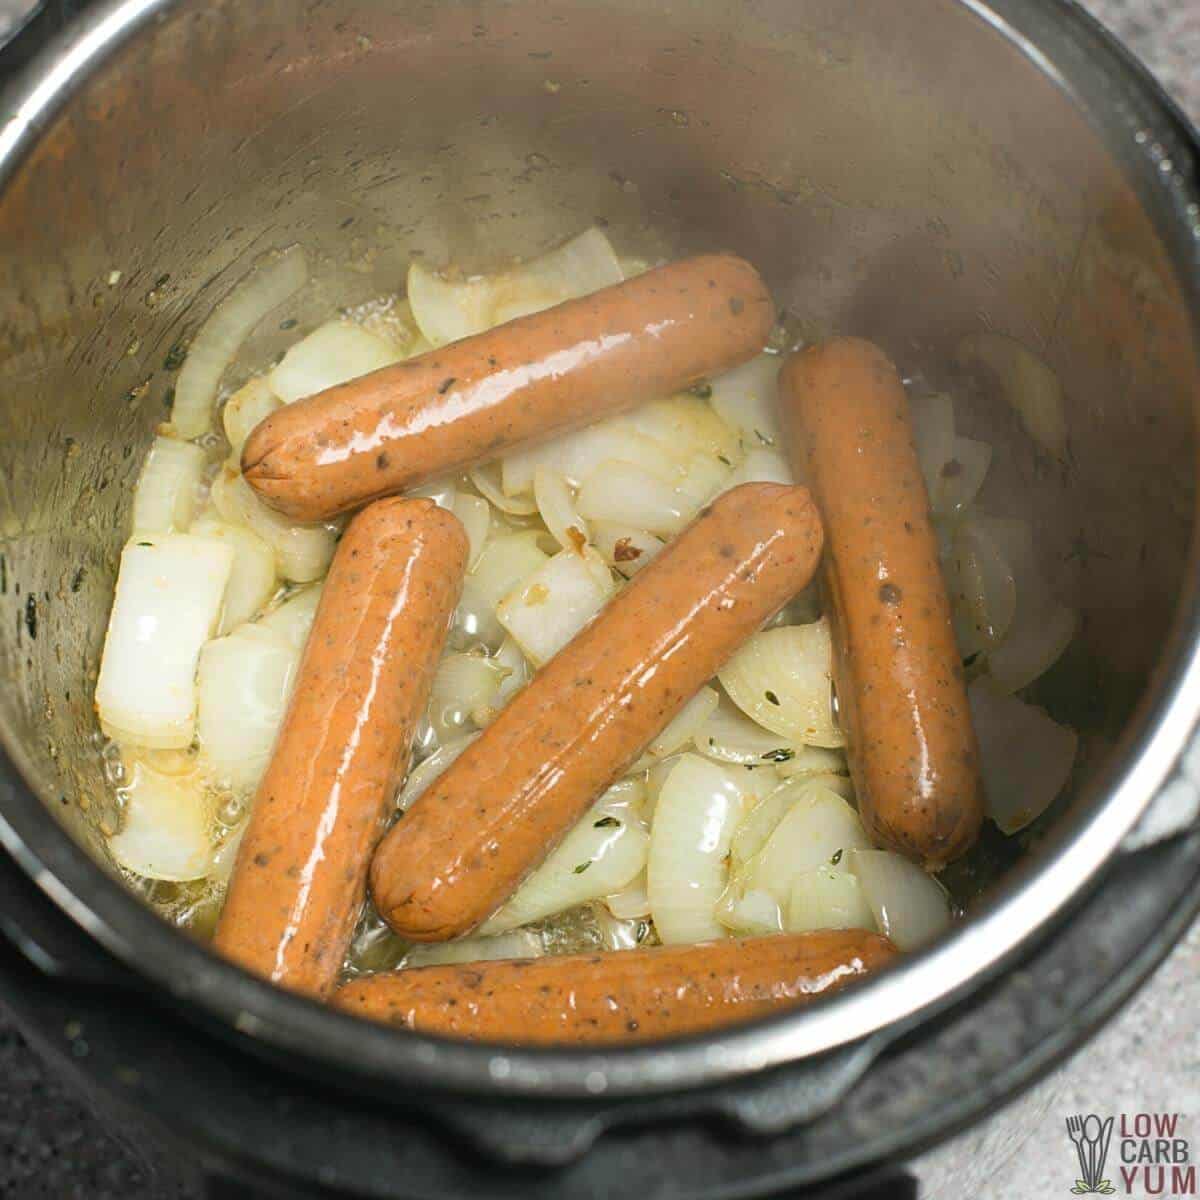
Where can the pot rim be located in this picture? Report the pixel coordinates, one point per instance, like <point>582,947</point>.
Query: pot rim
<point>1035,894</point>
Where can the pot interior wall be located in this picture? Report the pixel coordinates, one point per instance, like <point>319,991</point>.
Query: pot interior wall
<point>897,171</point>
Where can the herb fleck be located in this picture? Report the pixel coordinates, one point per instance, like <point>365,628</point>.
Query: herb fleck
<point>145,543</point>
<point>703,389</point>
<point>765,438</point>
<point>606,823</point>
<point>175,358</point>
<point>783,754</point>
<point>724,460</point>
<point>290,323</point>
<point>772,698</point>
<point>579,870</point>
<point>837,857</point>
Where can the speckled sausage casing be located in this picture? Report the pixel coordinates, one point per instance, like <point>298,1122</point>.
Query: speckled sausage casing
<point>515,384</point>
<point>629,995</point>
<point>901,695</point>
<point>470,839</point>
<point>362,685</point>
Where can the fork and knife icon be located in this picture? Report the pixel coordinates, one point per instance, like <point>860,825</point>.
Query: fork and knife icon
<point>1091,1138</point>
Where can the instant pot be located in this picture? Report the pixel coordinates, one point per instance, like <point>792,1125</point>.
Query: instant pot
<point>909,172</point>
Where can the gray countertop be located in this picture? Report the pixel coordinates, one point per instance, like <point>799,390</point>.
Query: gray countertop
<point>1147,1060</point>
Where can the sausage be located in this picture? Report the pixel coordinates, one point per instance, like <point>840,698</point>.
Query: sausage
<point>901,695</point>
<point>626,995</point>
<point>471,837</point>
<point>523,381</point>
<point>362,685</point>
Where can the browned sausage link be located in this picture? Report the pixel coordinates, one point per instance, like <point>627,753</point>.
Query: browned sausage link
<point>901,696</point>
<point>523,381</point>
<point>475,833</point>
<point>628,995</point>
<point>362,685</point>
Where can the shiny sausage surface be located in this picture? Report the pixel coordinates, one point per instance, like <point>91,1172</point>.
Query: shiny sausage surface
<point>901,694</point>
<point>518,383</point>
<point>627,995</point>
<point>362,685</point>
<point>469,840</point>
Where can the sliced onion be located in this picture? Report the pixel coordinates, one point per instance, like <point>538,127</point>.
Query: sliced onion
<point>749,914</point>
<point>164,830</point>
<point>828,898</point>
<point>333,353</point>
<point>1026,383</point>
<point>603,854</point>
<point>515,670</point>
<point>983,591</point>
<point>486,479</point>
<point>961,476</point>
<point>680,730</point>
<point>761,466</point>
<point>447,310</point>
<point>730,736</point>
<point>464,684</point>
<point>506,560</point>
<point>698,809</point>
<point>746,399</point>
<point>476,516</point>
<point>933,432</point>
<point>809,761</point>
<point>557,508</point>
<point>909,907</point>
<point>783,679</point>
<point>817,827</point>
<point>684,426</point>
<point>576,455</point>
<point>631,266</point>
<point>625,494</point>
<point>244,683</point>
<point>703,477</point>
<point>443,492</point>
<point>548,608</point>
<point>623,547</point>
<point>252,577</point>
<point>521,943</point>
<point>425,772</point>
<point>165,496</point>
<point>218,340</point>
<point>250,404</point>
<point>1025,757</point>
<point>293,619</point>
<point>631,903</point>
<point>302,552</point>
<point>167,604</point>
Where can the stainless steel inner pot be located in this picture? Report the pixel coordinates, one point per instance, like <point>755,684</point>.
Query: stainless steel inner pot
<point>910,172</point>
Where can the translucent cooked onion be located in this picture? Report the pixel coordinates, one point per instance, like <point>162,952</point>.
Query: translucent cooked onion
<point>244,683</point>
<point>165,497</point>
<point>521,943</point>
<point>761,466</point>
<point>680,730</point>
<point>809,761</point>
<point>746,399</point>
<point>625,494</point>
<point>557,508</point>
<point>302,552</point>
<point>728,735</point>
<point>464,685</point>
<point>250,404</point>
<point>476,516</point>
<point>293,619</point>
<point>164,830</point>
<point>683,426</point>
<point>267,286</point>
<point>333,353</point>
<point>1026,382</point>
<point>961,476</point>
<point>1025,757</point>
<point>782,679</point>
<point>602,854</point>
<point>506,560</point>
<point>443,492</point>
<point>252,576</point>
<point>167,604</point>
<point>426,771</point>
<point>909,907</point>
<point>702,478</point>
<point>983,591</point>
<point>631,903</point>
<point>933,433</point>
<point>548,608</point>
<point>487,480</point>
<point>623,547</point>
<point>514,667</point>
<point>448,309</point>
<point>828,897</point>
<point>698,809</point>
<point>749,914</point>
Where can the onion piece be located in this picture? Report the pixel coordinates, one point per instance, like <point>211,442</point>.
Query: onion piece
<point>1026,383</point>
<point>166,606</point>
<point>828,898</point>
<point>548,608</point>
<point>218,340</point>
<point>576,455</point>
<point>1025,757</point>
<point>698,809</point>
<point>252,576</point>
<point>293,619</point>
<point>165,497</point>
<point>961,476</point>
<point>761,466</point>
<point>249,405</point>
<point>447,310</point>
<point>425,772</point>
<point>463,685</point>
<point>486,480</point>
<point>521,943</point>
<point>983,592</point>
<point>443,492</point>
<point>749,914</point>
<point>730,736</point>
<point>702,478</point>
<point>505,561</point>
<point>602,854</point>
<point>557,509</point>
<point>476,516</point>
<point>746,399</point>
<point>302,552</point>
<point>783,679</point>
<point>244,683</point>
<point>909,907</point>
<point>816,760</point>
<point>623,547</point>
<point>631,903</point>
<point>680,730</point>
<point>333,353</point>
<point>625,494</point>
<point>514,667</point>
<point>164,830</point>
<point>684,426</point>
<point>932,420</point>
